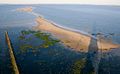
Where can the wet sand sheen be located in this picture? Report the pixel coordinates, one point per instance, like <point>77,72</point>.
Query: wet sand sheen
<point>77,41</point>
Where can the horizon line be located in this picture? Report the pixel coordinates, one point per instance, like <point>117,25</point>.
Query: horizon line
<point>58,4</point>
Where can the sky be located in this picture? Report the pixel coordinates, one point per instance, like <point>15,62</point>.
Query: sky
<point>94,2</point>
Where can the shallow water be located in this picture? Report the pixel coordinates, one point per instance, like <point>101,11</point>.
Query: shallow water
<point>91,19</point>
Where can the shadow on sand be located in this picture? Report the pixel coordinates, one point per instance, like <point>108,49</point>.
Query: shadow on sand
<point>92,59</point>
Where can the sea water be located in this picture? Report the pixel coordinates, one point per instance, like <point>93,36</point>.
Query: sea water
<point>87,18</point>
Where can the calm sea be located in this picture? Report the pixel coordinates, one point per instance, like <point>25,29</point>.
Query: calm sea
<point>87,18</point>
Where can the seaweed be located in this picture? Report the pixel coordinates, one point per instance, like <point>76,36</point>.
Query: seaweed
<point>78,66</point>
<point>29,35</point>
<point>21,37</point>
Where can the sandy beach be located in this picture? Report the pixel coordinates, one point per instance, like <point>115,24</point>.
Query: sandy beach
<point>74,40</point>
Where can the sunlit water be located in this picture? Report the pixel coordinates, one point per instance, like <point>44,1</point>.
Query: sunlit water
<point>58,59</point>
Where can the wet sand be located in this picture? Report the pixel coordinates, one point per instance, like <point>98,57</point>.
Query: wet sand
<point>76,41</point>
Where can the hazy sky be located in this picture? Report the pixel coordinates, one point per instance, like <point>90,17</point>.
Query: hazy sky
<point>98,2</point>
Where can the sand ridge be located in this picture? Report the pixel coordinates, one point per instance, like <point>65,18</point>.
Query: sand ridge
<point>25,9</point>
<point>77,41</point>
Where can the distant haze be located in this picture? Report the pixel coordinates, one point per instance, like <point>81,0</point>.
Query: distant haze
<point>94,2</point>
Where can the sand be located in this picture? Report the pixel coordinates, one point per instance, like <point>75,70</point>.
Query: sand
<point>25,9</point>
<point>72,39</point>
<point>76,41</point>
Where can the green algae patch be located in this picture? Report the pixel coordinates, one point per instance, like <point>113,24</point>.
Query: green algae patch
<point>48,41</point>
<point>21,37</point>
<point>78,66</point>
<point>26,32</point>
<point>35,40</point>
<point>25,47</point>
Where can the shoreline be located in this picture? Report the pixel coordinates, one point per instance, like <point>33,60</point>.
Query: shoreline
<point>69,29</point>
<point>76,40</point>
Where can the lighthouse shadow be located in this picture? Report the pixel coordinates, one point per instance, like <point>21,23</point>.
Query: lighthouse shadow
<point>92,58</point>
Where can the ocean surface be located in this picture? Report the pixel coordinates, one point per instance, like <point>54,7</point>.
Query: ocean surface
<point>91,19</point>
